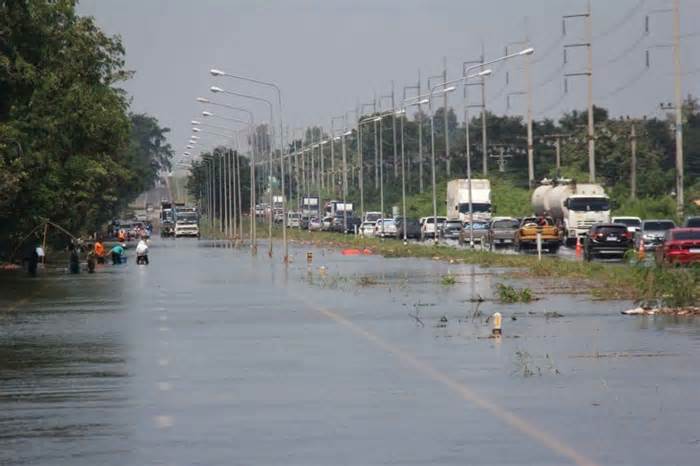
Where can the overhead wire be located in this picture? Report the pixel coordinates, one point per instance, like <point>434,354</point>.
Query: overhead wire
<point>629,15</point>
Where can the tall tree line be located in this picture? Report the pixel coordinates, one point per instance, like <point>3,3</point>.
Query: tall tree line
<point>70,150</point>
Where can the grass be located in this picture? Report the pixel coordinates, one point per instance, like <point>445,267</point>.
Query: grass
<point>508,294</point>
<point>448,280</point>
<point>638,282</point>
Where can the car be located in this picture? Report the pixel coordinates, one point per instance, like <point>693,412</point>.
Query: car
<point>632,223</point>
<point>427,226</point>
<point>452,229</point>
<point>385,228</point>
<point>367,228</point>
<point>652,233</point>
<point>607,239</point>
<point>681,246</point>
<point>692,222</point>
<point>293,220</point>
<point>326,223</point>
<point>372,216</point>
<point>411,225</point>
<point>314,224</point>
<point>477,232</point>
<point>526,236</point>
<point>345,224</point>
<point>502,231</point>
<point>186,227</point>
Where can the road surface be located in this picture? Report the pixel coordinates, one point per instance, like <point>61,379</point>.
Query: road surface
<point>211,357</point>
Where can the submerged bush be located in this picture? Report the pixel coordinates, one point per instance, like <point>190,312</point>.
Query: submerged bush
<point>661,286</point>
<point>509,294</point>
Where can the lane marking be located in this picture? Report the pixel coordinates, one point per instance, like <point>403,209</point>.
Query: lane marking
<point>516,422</point>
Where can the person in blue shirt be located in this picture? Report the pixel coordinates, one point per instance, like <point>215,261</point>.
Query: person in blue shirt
<point>117,253</point>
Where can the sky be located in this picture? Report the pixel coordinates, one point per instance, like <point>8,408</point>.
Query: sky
<point>328,56</point>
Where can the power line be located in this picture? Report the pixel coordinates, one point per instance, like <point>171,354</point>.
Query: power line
<point>629,14</point>
<point>629,49</point>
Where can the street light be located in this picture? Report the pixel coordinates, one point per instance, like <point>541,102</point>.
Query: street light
<point>421,98</point>
<point>217,72</point>
<point>215,90</point>
<point>525,52</point>
<point>253,137</point>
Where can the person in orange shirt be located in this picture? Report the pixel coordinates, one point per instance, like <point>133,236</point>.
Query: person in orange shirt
<point>121,236</point>
<point>99,252</point>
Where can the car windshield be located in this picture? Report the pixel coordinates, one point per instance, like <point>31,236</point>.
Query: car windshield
<point>388,222</point>
<point>453,224</point>
<point>586,204</point>
<point>187,217</point>
<point>658,226</point>
<point>505,224</point>
<point>373,217</point>
<point>476,207</point>
<point>685,235</point>
<point>630,222</point>
<point>432,220</point>
<point>693,222</point>
<point>537,220</point>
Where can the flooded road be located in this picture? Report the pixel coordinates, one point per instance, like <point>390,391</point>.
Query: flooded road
<point>211,357</point>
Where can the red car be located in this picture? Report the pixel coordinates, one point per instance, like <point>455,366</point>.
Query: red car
<point>681,246</point>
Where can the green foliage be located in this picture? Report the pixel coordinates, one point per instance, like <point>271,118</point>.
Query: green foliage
<point>649,207</point>
<point>448,280</point>
<point>508,294</point>
<point>667,287</point>
<point>69,150</point>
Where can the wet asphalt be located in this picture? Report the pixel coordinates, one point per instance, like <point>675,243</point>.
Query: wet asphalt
<point>211,357</point>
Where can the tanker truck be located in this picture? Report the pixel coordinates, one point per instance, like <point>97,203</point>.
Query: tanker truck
<point>575,207</point>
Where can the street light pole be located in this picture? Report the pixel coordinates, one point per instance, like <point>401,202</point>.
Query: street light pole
<point>269,104</point>
<point>215,72</point>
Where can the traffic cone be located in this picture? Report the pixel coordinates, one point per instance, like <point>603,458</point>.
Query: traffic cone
<point>579,247</point>
<point>641,252</point>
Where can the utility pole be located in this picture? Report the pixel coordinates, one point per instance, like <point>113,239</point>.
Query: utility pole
<point>589,74</point>
<point>393,125</point>
<point>420,140</point>
<point>633,163</point>
<point>376,150</point>
<point>679,106</point>
<point>447,132</point>
<point>482,106</point>
<point>332,157</point>
<point>530,142</point>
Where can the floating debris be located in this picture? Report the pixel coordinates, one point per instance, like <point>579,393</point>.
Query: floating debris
<point>665,311</point>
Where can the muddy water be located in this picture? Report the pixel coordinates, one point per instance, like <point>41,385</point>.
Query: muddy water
<point>210,357</point>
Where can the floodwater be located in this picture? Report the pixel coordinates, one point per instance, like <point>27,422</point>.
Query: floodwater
<point>211,357</point>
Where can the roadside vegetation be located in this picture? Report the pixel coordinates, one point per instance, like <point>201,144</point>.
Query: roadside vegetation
<point>71,150</point>
<point>640,282</point>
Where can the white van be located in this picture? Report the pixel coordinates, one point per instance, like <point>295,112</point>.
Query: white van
<point>293,220</point>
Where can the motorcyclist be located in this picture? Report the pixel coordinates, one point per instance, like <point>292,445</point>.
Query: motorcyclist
<point>142,252</point>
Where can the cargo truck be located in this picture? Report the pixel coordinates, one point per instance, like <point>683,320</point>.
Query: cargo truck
<point>458,199</point>
<point>575,207</point>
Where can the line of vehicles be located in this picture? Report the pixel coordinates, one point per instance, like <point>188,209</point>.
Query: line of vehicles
<point>564,213</point>
<point>178,220</point>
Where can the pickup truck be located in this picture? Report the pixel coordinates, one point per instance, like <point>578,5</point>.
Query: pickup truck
<point>526,236</point>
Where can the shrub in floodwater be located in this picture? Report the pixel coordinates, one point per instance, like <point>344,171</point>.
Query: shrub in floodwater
<point>662,286</point>
<point>448,280</point>
<point>509,294</point>
<point>366,280</point>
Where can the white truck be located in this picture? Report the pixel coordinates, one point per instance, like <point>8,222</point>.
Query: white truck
<point>575,207</point>
<point>336,208</point>
<point>186,222</point>
<point>458,199</point>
